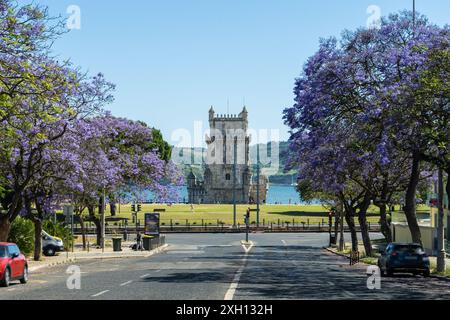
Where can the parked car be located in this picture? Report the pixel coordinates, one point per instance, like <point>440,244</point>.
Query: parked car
<point>13,265</point>
<point>51,245</point>
<point>404,257</point>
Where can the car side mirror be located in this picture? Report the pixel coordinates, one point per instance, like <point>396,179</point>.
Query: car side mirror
<point>15,255</point>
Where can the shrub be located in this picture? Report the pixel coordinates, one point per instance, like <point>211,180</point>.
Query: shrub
<point>59,230</point>
<point>22,234</point>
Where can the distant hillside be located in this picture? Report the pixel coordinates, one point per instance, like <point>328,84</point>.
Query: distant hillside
<point>276,175</point>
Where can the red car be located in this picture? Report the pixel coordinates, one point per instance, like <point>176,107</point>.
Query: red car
<point>13,264</point>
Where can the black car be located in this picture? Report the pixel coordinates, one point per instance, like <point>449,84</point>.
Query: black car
<point>404,257</point>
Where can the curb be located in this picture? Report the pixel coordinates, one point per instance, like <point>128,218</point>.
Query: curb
<point>442,278</point>
<point>336,253</point>
<point>75,258</point>
<point>105,257</point>
<point>51,264</point>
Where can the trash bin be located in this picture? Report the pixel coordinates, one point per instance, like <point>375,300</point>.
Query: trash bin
<point>155,243</point>
<point>117,244</point>
<point>332,239</point>
<point>147,243</point>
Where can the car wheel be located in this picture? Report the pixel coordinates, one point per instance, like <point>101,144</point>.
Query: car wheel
<point>6,278</point>
<point>49,252</point>
<point>390,272</point>
<point>382,273</point>
<point>25,275</point>
<point>426,273</point>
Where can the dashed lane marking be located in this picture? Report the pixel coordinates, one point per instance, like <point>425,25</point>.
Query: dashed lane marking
<point>126,283</point>
<point>229,295</point>
<point>99,294</point>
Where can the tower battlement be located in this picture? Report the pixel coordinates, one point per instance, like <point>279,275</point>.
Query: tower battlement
<point>243,116</point>
<point>227,167</point>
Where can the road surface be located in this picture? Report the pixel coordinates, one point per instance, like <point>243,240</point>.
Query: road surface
<point>217,267</point>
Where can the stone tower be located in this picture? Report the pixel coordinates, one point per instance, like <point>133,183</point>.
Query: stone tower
<point>228,136</point>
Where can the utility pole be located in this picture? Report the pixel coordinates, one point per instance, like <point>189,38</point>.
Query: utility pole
<point>103,219</point>
<point>257,186</point>
<point>234,181</point>
<point>440,232</point>
<point>341,239</point>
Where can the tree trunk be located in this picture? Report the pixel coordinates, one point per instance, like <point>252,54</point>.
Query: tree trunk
<point>113,207</point>
<point>7,219</point>
<point>83,230</point>
<point>98,230</point>
<point>5,226</point>
<point>447,187</point>
<point>336,224</point>
<point>97,223</point>
<point>37,239</point>
<point>410,201</point>
<point>385,226</point>
<point>349,217</point>
<point>362,217</point>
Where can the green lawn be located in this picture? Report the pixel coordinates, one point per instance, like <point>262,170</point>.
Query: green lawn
<point>224,213</point>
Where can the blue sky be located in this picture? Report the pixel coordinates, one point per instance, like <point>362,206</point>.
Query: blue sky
<point>172,60</point>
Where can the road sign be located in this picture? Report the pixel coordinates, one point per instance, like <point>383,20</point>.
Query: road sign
<point>152,221</point>
<point>68,213</point>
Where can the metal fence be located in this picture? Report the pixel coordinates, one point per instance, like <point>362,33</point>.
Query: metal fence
<point>170,226</point>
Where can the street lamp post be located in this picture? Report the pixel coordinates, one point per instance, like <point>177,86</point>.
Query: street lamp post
<point>341,239</point>
<point>234,182</point>
<point>103,219</point>
<point>440,232</point>
<point>257,187</point>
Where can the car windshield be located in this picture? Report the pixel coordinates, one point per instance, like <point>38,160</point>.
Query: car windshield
<point>2,252</point>
<point>411,249</point>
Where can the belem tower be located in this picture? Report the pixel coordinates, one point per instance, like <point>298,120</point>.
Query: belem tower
<point>228,137</point>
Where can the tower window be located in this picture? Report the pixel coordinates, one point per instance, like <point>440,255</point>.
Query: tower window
<point>228,177</point>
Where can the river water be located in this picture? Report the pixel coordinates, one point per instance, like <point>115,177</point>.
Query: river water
<point>277,194</point>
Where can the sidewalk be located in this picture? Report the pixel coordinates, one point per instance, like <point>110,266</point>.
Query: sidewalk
<point>78,254</point>
<point>373,261</point>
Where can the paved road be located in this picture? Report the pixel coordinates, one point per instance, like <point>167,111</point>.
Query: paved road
<point>279,266</point>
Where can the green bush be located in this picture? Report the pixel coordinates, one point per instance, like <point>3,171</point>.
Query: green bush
<point>22,234</point>
<point>59,230</point>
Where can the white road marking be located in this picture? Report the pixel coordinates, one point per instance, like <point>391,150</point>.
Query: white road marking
<point>145,276</point>
<point>349,293</point>
<point>229,295</point>
<point>185,252</point>
<point>99,294</point>
<point>158,271</point>
<point>247,249</point>
<point>284,242</point>
<point>126,283</point>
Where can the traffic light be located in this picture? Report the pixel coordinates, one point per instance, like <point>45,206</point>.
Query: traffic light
<point>247,217</point>
<point>139,207</point>
<point>133,208</point>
